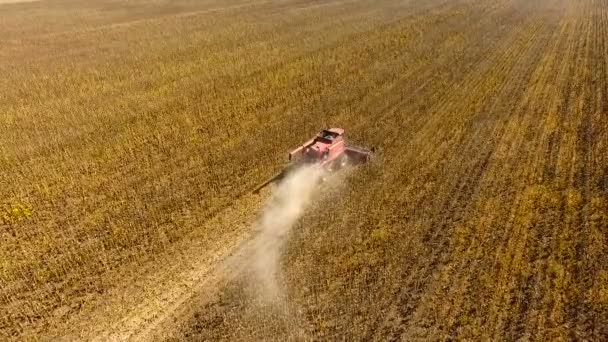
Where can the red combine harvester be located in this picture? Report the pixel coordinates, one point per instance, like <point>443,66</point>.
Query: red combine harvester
<point>328,149</point>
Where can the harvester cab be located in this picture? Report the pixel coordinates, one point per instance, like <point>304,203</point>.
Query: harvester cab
<point>328,147</point>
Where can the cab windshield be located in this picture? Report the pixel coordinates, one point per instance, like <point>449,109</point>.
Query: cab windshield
<point>328,136</point>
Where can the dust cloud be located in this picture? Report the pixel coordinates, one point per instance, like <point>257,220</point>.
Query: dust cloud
<point>287,204</point>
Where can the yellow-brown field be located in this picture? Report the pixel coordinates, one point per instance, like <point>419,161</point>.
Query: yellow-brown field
<point>132,134</point>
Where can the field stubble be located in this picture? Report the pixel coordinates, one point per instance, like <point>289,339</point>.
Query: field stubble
<point>132,135</point>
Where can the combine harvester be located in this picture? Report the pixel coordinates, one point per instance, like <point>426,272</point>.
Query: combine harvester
<point>328,150</point>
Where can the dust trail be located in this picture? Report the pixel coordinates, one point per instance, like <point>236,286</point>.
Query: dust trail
<point>287,204</point>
